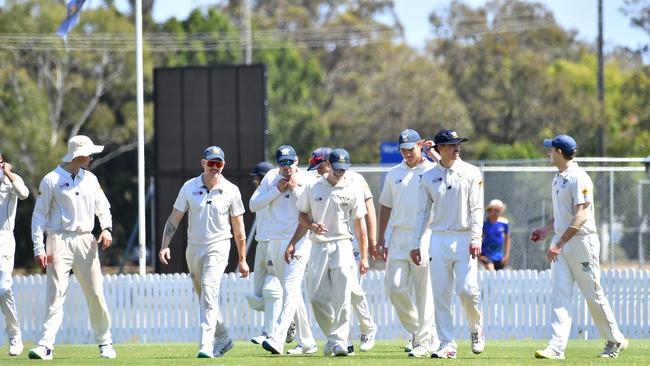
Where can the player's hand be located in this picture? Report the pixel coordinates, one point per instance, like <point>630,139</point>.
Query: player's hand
<point>6,167</point>
<point>416,257</point>
<point>41,260</point>
<point>282,185</point>
<point>106,239</point>
<point>363,266</point>
<point>165,256</point>
<point>475,250</point>
<point>319,229</point>
<point>288,253</point>
<point>291,184</point>
<point>374,253</point>
<point>538,235</point>
<point>382,251</point>
<point>243,269</point>
<point>553,252</point>
<point>483,258</point>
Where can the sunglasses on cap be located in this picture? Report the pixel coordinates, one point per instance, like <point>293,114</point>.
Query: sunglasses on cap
<point>315,160</point>
<point>286,163</point>
<point>215,163</point>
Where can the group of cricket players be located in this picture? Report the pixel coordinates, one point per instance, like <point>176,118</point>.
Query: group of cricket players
<point>320,226</point>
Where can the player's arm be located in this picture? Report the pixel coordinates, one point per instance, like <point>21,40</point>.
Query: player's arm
<point>506,254</point>
<point>304,224</point>
<point>239,232</point>
<point>384,215</point>
<point>39,221</point>
<point>579,219</point>
<point>421,217</point>
<point>475,205</point>
<point>360,232</point>
<point>171,226</point>
<point>19,186</point>
<point>265,194</point>
<point>371,226</point>
<point>103,213</point>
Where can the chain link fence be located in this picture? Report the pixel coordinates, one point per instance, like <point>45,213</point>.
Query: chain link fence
<point>622,202</point>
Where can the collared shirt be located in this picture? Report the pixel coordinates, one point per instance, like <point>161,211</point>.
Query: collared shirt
<point>334,206</point>
<point>209,211</point>
<point>360,183</point>
<point>494,238</point>
<point>455,197</point>
<point>68,203</point>
<point>570,188</point>
<point>281,213</point>
<point>400,194</point>
<point>10,193</point>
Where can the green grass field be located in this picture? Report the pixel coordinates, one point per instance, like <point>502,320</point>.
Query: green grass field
<point>385,353</point>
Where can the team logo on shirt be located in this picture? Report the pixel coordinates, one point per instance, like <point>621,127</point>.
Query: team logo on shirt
<point>564,182</point>
<point>586,266</point>
<point>64,185</point>
<point>197,193</point>
<point>318,199</point>
<point>585,192</point>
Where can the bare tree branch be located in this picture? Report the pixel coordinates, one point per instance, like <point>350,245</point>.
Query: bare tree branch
<point>114,153</point>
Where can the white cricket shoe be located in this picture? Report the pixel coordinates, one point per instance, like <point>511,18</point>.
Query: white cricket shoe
<point>107,351</point>
<point>15,346</point>
<point>445,352</point>
<point>41,353</point>
<point>272,346</point>
<point>327,349</point>
<point>419,351</point>
<point>367,341</point>
<point>340,351</point>
<point>409,346</point>
<point>205,352</point>
<point>612,349</point>
<point>303,350</point>
<point>259,339</point>
<point>549,353</point>
<point>220,349</point>
<point>478,342</point>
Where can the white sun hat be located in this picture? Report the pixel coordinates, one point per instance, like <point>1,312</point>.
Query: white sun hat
<point>498,204</point>
<point>81,145</point>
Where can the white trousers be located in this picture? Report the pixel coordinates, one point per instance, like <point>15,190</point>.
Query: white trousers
<point>260,267</point>
<point>76,252</point>
<point>293,307</point>
<point>330,278</point>
<point>7,301</point>
<point>360,305</point>
<point>405,281</point>
<point>207,264</point>
<point>578,262</point>
<point>451,261</point>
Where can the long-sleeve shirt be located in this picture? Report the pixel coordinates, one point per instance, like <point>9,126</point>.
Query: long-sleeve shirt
<point>68,203</point>
<point>454,197</point>
<point>10,193</point>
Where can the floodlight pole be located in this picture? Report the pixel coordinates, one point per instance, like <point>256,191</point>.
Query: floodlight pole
<point>142,227</point>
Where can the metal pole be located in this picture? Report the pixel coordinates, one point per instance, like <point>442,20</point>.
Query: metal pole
<point>142,232</point>
<point>602,151</point>
<point>612,256</point>
<point>248,34</point>
<point>642,223</point>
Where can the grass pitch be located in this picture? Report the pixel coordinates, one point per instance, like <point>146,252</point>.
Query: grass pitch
<point>500,353</point>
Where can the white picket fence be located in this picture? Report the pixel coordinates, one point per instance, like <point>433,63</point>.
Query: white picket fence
<point>164,308</point>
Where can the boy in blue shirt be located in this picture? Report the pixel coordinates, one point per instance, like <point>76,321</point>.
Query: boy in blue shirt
<point>496,237</point>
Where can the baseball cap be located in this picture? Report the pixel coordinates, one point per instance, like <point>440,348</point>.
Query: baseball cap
<point>339,159</point>
<point>565,143</point>
<point>261,169</point>
<point>214,152</point>
<point>318,156</point>
<point>81,145</point>
<point>408,138</point>
<point>448,137</point>
<point>285,152</point>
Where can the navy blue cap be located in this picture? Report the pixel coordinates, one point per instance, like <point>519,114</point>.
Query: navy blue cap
<point>318,156</point>
<point>408,138</point>
<point>214,152</point>
<point>339,159</point>
<point>565,143</point>
<point>448,137</point>
<point>285,152</point>
<point>261,169</point>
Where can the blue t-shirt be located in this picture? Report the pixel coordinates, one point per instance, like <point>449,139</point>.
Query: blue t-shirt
<point>494,236</point>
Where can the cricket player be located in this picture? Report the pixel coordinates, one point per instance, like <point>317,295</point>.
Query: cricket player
<point>319,162</point>
<point>326,208</point>
<point>279,193</point>
<point>69,197</point>
<point>214,205</point>
<point>12,189</point>
<point>574,253</point>
<point>452,192</point>
<point>398,201</point>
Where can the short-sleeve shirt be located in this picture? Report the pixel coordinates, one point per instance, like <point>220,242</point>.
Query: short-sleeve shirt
<point>494,237</point>
<point>334,206</point>
<point>570,188</point>
<point>209,211</point>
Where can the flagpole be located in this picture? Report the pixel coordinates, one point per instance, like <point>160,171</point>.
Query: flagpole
<point>142,227</point>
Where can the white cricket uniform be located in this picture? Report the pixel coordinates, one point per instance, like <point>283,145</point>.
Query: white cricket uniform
<point>403,277</point>
<point>282,221</point>
<point>578,261</point>
<point>330,272</point>
<point>358,298</point>
<point>65,209</point>
<point>10,193</point>
<point>208,236</point>
<point>261,249</point>
<point>454,198</point>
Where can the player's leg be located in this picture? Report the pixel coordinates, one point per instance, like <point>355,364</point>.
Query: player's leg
<point>440,269</point>
<point>255,300</point>
<point>426,334</point>
<point>214,265</point>
<point>359,304</point>
<point>398,289</point>
<point>319,288</point>
<point>465,271</point>
<point>342,279</point>
<point>272,294</point>
<point>7,300</point>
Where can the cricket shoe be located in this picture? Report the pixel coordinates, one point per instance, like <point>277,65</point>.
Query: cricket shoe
<point>340,351</point>
<point>205,352</point>
<point>350,350</point>
<point>303,350</point>
<point>107,351</point>
<point>612,349</point>
<point>220,349</point>
<point>549,353</point>
<point>328,349</point>
<point>15,346</point>
<point>41,353</point>
<point>445,352</point>
<point>367,341</point>
<point>478,342</point>
<point>258,339</point>
<point>291,333</point>
<point>419,351</point>
<point>409,346</point>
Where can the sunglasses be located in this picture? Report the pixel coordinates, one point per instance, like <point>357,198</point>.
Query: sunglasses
<point>315,160</point>
<point>215,163</point>
<point>285,163</point>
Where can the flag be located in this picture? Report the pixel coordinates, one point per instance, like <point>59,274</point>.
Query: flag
<point>71,19</point>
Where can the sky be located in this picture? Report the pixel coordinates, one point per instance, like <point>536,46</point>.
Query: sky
<point>579,15</point>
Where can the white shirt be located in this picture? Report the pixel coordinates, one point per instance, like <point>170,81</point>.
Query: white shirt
<point>400,194</point>
<point>68,203</point>
<point>209,211</point>
<point>360,182</point>
<point>10,193</point>
<point>570,188</point>
<point>455,196</point>
<point>334,206</point>
<point>281,212</point>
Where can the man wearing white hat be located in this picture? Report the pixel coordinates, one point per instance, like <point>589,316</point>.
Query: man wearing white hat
<point>69,197</point>
<point>495,251</point>
<point>12,189</point>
